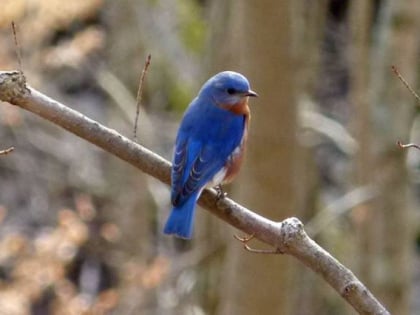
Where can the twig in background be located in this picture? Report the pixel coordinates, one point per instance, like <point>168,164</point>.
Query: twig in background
<point>398,74</point>
<point>340,207</point>
<point>139,94</point>
<point>6,151</point>
<point>408,145</point>
<point>311,118</point>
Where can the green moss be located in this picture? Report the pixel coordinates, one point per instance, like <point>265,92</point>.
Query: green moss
<point>192,25</point>
<point>153,2</point>
<point>179,97</point>
<point>402,21</point>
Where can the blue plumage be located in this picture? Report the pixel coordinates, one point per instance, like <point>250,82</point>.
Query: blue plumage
<point>212,128</point>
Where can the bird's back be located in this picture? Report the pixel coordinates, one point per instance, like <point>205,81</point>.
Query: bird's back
<point>206,122</point>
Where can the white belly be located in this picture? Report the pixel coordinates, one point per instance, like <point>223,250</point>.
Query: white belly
<point>217,178</point>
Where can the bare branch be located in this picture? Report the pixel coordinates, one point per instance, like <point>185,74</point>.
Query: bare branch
<point>287,236</point>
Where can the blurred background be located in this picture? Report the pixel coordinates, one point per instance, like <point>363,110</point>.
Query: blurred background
<point>80,230</point>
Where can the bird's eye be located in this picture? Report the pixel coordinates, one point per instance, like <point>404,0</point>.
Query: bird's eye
<point>231,91</point>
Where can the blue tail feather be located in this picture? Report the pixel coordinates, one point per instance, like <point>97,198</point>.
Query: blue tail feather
<point>181,220</point>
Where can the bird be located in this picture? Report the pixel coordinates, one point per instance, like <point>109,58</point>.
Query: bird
<point>209,146</point>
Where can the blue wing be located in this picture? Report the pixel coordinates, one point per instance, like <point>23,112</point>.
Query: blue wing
<point>194,165</point>
<point>202,149</point>
<point>178,168</point>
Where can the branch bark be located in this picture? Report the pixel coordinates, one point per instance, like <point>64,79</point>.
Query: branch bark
<point>288,236</point>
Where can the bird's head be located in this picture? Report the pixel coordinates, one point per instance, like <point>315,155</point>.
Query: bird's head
<point>227,88</point>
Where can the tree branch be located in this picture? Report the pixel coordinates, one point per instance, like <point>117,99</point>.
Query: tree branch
<point>287,236</point>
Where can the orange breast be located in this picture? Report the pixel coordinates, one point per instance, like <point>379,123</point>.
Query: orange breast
<point>234,162</point>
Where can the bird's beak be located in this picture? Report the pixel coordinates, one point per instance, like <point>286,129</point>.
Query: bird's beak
<point>251,93</point>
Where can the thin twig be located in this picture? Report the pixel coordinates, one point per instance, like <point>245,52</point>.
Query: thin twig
<point>246,239</point>
<point>398,74</point>
<point>408,145</point>
<point>6,151</point>
<point>139,94</point>
<point>17,47</point>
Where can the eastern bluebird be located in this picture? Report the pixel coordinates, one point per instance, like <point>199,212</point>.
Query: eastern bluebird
<point>209,146</point>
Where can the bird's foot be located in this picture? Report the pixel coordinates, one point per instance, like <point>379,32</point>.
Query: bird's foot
<point>246,239</point>
<point>221,194</point>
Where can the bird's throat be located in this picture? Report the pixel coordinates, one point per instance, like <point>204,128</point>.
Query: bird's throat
<point>240,108</point>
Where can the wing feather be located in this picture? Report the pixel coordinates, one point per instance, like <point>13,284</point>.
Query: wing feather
<point>178,169</point>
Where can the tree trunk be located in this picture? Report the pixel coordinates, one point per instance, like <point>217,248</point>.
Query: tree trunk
<point>260,284</point>
<point>360,17</point>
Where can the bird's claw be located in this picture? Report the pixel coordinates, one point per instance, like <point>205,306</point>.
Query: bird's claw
<point>221,194</point>
<point>246,239</point>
